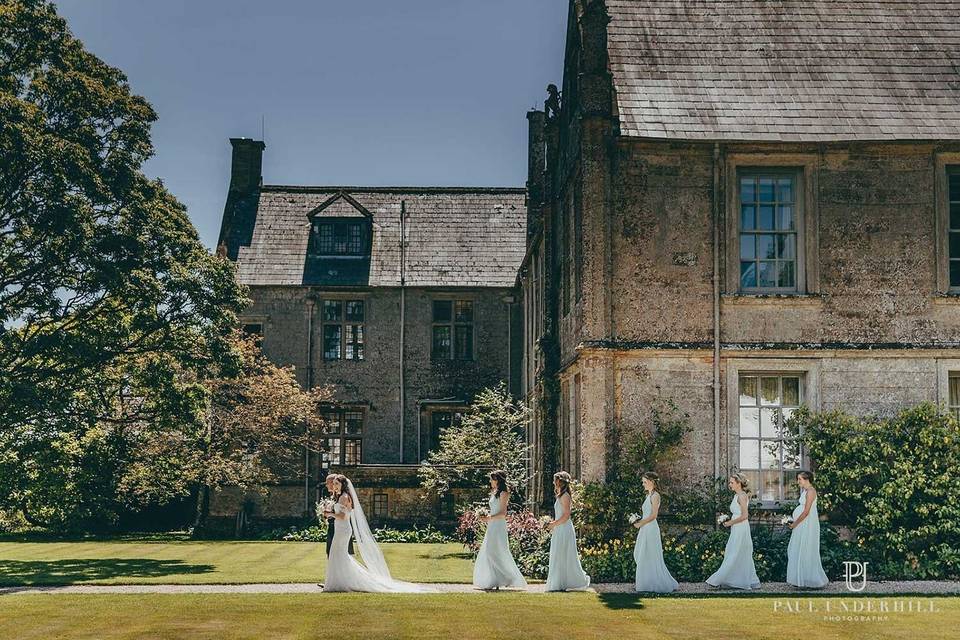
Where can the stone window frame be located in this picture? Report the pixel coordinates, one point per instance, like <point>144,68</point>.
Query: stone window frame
<point>944,162</point>
<point>947,368</point>
<point>809,368</point>
<point>341,436</point>
<point>343,323</point>
<point>427,415</point>
<point>255,320</point>
<point>380,505</point>
<point>808,235</point>
<point>453,324</point>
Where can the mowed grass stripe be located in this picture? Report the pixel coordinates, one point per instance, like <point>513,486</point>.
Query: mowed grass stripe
<point>465,616</point>
<point>209,562</point>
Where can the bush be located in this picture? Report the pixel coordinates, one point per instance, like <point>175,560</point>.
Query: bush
<point>426,535</point>
<point>894,481</point>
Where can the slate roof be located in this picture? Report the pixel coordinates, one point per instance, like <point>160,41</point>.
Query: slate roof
<point>455,237</point>
<point>796,70</point>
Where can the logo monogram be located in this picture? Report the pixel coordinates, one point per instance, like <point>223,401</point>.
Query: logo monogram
<point>853,569</point>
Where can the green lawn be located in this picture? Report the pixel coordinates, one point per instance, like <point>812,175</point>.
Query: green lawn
<point>206,562</point>
<point>463,616</point>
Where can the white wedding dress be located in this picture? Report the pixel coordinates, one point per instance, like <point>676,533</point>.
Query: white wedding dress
<point>346,574</point>
<point>652,573</point>
<point>495,566</point>
<point>804,568</point>
<point>737,569</point>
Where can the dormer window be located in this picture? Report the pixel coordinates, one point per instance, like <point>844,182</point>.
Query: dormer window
<point>338,238</point>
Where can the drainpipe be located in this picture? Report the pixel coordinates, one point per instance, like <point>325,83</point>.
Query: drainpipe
<point>306,446</point>
<point>716,310</point>
<point>403,215</point>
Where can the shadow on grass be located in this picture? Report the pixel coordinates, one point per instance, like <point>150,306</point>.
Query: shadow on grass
<point>621,600</point>
<point>453,555</point>
<point>73,571</point>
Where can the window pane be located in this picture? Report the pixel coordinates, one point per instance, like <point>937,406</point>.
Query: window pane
<point>765,219</point>
<point>441,342</point>
<point>765,190</point>
<point>791,392</point>
<point>332,310</point>
<point>442,310</point>
<point>954,391</point>
<point>354,240</point>
<point>767,275</point>
<point>769,454</point>
<point>331,342</point>
<point>748,275</point>
<point>785,218</point>
<point>769,391</point>
<point>766,247</point>
<point>955,244</point>
<point>786,246</point>
<point>749,422</point>
<point>748,391</point>
<point>769,488</point>
<point>354,310</point>
<point>331,421</point>
<point>748,217</point>
<point>352,452</point>
<point>954,185</point>
<point>354,342</point>
<point>748,246</point>
<point>464,336</point>
<point>464,311</point>
<point>785,275</point>
<point>748,189</point>
<point>791,454</point>
<point>333,450</point>
<point>324,233</point>
<point>353,422</point>
<point>955,273</point>
<point>768,423</point>
<point>749,454</point>
<point>955,215</point>
<point>785,189</point>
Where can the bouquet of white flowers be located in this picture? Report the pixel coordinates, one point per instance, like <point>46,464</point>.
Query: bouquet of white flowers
<point>785,520</point>
<point>545,520</point>
<point>723,517</point>
<point>633,517</point>
<point>325,505</point>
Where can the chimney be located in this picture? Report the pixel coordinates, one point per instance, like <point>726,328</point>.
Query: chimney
<point>246,165</point>
<point>536,158</point>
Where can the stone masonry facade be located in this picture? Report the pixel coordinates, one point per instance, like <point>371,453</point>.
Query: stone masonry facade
<point>401,300</point>
<point>734,257</point>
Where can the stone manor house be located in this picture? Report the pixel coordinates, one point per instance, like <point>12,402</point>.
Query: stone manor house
<point>739,206</point>
<point>403,299</point>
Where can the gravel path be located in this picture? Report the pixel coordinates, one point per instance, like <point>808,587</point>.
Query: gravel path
<point>872,588</point>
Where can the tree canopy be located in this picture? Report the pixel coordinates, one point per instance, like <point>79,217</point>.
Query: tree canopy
<point>112,312</point>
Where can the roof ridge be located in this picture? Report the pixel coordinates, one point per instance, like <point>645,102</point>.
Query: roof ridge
<point>351,189</point>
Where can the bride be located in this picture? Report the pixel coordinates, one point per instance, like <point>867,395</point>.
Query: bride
<point>343,572</point>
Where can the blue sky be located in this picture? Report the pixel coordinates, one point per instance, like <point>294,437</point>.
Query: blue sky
<point>359,92</point>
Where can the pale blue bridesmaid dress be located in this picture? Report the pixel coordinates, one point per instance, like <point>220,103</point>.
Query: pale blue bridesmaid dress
<point>652,573</point>
<point>737,570</point>
<point>565,572</point>
<point>495,567</point>
<point>804,568</point>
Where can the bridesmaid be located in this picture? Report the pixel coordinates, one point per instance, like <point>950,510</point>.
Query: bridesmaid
<point>565,572</point>
<point>652,573</point>
<point>495,566</point>
<point>804,568</point>
<point>737,570</point>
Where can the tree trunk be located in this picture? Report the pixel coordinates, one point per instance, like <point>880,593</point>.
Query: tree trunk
<point>203,508</point>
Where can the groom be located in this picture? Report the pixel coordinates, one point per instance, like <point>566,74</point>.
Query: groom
<point>330,519</point>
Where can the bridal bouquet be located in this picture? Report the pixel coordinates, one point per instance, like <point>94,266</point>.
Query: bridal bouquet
<point>723,517</point>
<point>545,520</point>
<point>633,517</point>
<point>785,520</point>
<point>325,505</point>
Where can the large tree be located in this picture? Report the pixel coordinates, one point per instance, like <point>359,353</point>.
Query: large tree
<point>112,313</point>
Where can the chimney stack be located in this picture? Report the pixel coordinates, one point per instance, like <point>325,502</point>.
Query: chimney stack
<point>246,165</point>
<point>536,165</point>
